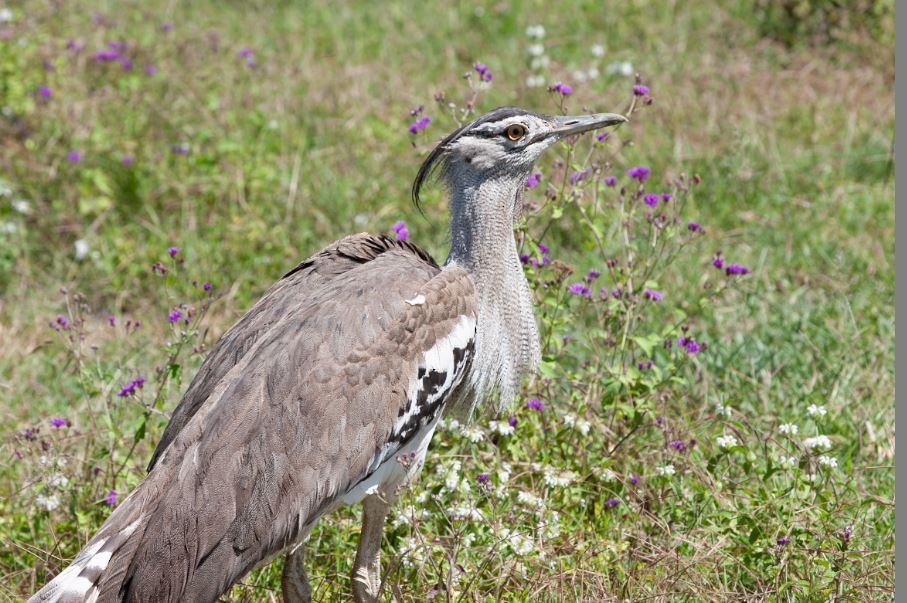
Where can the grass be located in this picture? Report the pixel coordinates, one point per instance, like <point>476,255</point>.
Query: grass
<point>793,146</point>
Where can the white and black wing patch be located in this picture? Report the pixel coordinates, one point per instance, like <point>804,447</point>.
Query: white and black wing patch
<point>439,372</point>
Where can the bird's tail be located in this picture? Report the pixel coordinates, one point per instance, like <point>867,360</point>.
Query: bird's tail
<point>101,565</point>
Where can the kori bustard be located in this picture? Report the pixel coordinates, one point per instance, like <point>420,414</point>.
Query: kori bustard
<point>329,389</point>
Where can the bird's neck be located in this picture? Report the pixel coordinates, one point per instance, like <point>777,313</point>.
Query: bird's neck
<point>482,243</point>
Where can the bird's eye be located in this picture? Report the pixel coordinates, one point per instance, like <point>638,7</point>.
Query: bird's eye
<point>515,131</point>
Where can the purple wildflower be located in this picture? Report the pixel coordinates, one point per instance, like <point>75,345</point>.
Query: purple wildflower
<point>127,159</point>
<point>111,498</point>
<point>180,149</point>
<point>783,540</point>
<point>131,386</point>
<point>45,91</point>
<point>694,227</point>
<point>251,63</point>
<point>610,180</point>
<point>611,503</point>
<point>718,262</point>
<point>60,322</point>
<point>126,63</point>
<point>535,404</point>
<point>659,420</point>
<point>640,90</point>
<point>533,180</point>
<point>400,230</point>
<point>640,172</point>
<point>690,345</point>
<point>645,364</point>
<point>483,477</point>
<point>666,197</point>
<point>544,248</point>
<point>524,258</point>
<point>416,111</point>
<point>653,295</point>
<point>106,56</point>
<point>166,27</point>
<point>112,320</point>
<point>579,289</point>
<point>576,177</point>
<point>150,69</point>
<point>484,73</point>
<point>679,445</point>
<point>246,53</point>
<point>736,269</point>
<point>419,124</point>
<point>603,136</point>
<point>511,420</point>
<point>74,156</point>
<point>174,315</point>
<point>59,422</point>
<point>591,275</point>
<point>207,286</point>
<point>173,251</point>
<point>73,45</point>
<point>634,479</point>
<point>561,88</point>
<point>651,200</point>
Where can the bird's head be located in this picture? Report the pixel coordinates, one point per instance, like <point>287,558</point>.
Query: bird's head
<point>504,143</point>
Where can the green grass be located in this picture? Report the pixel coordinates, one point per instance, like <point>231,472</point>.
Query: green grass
<point>793,148</point>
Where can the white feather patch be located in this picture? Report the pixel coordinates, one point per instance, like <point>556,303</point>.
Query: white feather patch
<point>416,301</point>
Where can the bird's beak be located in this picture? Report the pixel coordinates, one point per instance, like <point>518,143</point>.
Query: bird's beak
<point>568,125</point>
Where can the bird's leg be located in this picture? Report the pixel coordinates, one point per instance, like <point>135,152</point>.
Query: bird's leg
<point>367,567</point>
<point>294,583</point>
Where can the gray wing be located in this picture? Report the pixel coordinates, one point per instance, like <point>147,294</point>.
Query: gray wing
<point>294,288</point>
<point>298,420</point>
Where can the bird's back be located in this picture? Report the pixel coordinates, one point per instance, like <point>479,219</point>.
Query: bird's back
<point>291,410</point>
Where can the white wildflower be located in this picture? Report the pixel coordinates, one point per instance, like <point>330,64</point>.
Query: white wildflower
<point>6,15</point>
<point>535,81</point>
<point>721,409</point>
<point>474,434</point>
<point>45,460</point>
<point>828,461</point>
<point>535,31</point>
<point>81,249</point>
<point>467,512</point>
<point>48,503</point>
<point>624,68</point>
<point>554,479</point>
<point>451,474</point>
<point>726,441</point>
<point>421,497</point>
<point>541,62</point>
<point>597,50</point>
<point>504,473</point>
<point>820,441</point>
<point>5,189</point>
<point>790,428</point>
<point>453,425</point>
<point>518,543</point>
<point>592,73</point>
<point>8,227</point>
<point>21,205</point>
<point>552,527</point>
<point>57,480</point>
<point>529,499</point>
<point>501,427</point>
<point>579,75</point>
<point>666,470</point>
<point>816,411</point>
<point>788,461</point>
<point>536,50</point>
<point>608,475</point>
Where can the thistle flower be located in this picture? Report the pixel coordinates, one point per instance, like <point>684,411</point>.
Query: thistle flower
<point>639,172</point>
<point>783,540</point>
<point>207,286</point>
<point>127,160</point>
<point>577,177</point>
<point>484,73</point>
<point>653,295</point>
<point>533,180</point>
<point>419,124</point>
<point>579,289</point>
<point>150,69</point>
<point>651,200</point>
<point>640,90</point>
<point>535,404</point>
<point>736,269</point>
<point>694,227</point>
<point>45,91</point>
<point>483,477</point>
<point>59,422</point>
<point>611,503</point>
<point>718,262</point>
<point>74,156</point>
<point>561,88</point>
<point>174,315</point>
<point>400,230</point>
<point>131,387</point>
<point>111,498</point>
<point>173,251</point>
<point>634,479</point>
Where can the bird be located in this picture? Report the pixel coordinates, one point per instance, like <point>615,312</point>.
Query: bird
<point>329,389</point>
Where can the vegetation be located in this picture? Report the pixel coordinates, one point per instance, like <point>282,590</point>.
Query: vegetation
<point>713,418</point>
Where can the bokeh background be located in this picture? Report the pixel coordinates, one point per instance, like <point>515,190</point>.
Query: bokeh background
<point>249,135</point>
